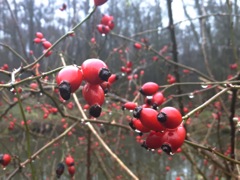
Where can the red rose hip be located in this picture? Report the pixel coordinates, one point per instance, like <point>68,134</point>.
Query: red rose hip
<point>69,79</point>
<point>95,71</point>
<point>169,117</point>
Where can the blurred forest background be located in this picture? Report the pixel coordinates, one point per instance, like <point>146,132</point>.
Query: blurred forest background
<point>207,34</point>
<point>136,19</point>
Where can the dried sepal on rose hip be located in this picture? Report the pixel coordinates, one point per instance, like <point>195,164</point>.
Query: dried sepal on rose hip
<point>95,71</point>
<point>68,80</point>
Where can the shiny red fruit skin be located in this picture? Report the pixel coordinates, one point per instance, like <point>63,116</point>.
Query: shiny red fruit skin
<point>174,138</point>
<point>99,2</point>
<point>71,74</point>
<point>93,94</point>
<point>39,35</point>
<point>6,159</point>
<point>46,44</point>
<point>111,25</point>
<point>149,88</point>
<point>148,117</point>
<point>103,29</point>
<point>106,19</point>
<point>91,69</point>
<point>137,46</point>
<point>71,170</point>
<point>37,40</point>
<point>112,79</point>
<point>130,105</point>
<point>173,117</point>
<point>154,140</point>
<point>139,126</point>
<point>157,99</point>
<point>69,161</point>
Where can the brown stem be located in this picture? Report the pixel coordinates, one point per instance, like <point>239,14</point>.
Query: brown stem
<point>102,165</point>
<point>232,125</point>
<point>89,155</point>
<point>18,31</point>
<point>202,106</point>
<point>194,164</point>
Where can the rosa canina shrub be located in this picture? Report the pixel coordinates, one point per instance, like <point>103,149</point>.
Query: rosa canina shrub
<point>116,113</point>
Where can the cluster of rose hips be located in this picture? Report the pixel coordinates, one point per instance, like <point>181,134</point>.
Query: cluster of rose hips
<point>69,161</point>
<point>94,72</point>
<point>39,38</point>
<point>4,67</point>
<point>106,24</point>
<point>164,126</point>
<point>5,159</point>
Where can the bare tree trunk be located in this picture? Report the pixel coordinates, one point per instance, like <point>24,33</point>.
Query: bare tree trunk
<point>174,52</point>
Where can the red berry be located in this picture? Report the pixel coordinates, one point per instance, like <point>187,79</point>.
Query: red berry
<point>5,159</point>
<point>168,168</point>
<point>171,79</point>
<point>129,64</point>
<point>149,88</point>
<point>103,29</point>
<point>71,170</point>
<point>157,99</point>
<point>37,40</point>
<point>170,117</point>
<point>112,78</point>
<point>136,124</point>
<point>95,71</point>
<point>233,66</point>
<point>106,19</point>
<point>48,53</point>
<point>129,105</point>
<point>111,25</point>
<point>173,139</point>
<point>93,94</point>
<point>138,46</point>
<point>69,160</point>
<point>186,71</point>
<point>5,67</point>
<point>33,86</point>
<point>69,79</point>
<point>99,2</point>
<point>46,44</point>
<point>105,86</point>
<point>39,35</point>
<point>154,140</point>
<point>148,117</point>
<point>93,40</point>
